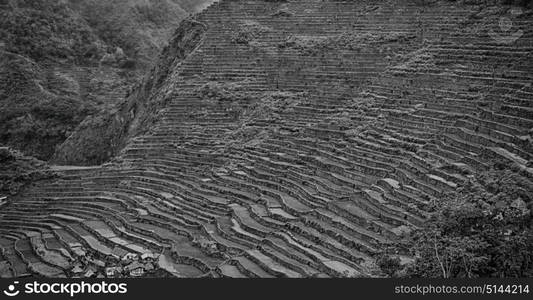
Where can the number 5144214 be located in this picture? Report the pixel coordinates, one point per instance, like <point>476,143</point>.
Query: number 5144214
<point>507,289</point>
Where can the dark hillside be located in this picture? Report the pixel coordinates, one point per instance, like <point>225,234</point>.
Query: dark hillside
<point>63,61</point>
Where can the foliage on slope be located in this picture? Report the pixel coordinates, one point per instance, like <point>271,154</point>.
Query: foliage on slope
<point>138,27</point>
<point>38,107</point>
<point>17,170</point>
<point>102,136</point>
<point>63,61</point>
<point>47,30</point>
<point>482,230</point>
<point>485,229</point>
<point>41,104</point>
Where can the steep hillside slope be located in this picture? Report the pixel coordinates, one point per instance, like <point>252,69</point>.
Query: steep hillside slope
<point>65,60</point>
<point>306,138</point>
<point>19,170</point>
<point>139,27</point>
<point>100,137</point>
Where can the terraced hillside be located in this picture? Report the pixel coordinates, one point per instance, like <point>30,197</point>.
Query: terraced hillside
<point>289,139</point>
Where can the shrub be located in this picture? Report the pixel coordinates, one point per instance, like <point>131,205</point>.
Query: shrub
<point>389,265</point>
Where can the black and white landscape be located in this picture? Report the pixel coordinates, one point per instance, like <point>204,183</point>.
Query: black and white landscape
<point>264,138</point>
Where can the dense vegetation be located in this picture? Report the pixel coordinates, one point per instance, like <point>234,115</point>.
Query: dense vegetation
<point>47,30</point>
<point>485,229</point>
<point>18,170</point>
<point>139,27</point>
<point>63,61</point>
<point>38,109</point>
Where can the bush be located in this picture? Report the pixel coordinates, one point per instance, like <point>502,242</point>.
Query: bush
<point>389,265</point>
